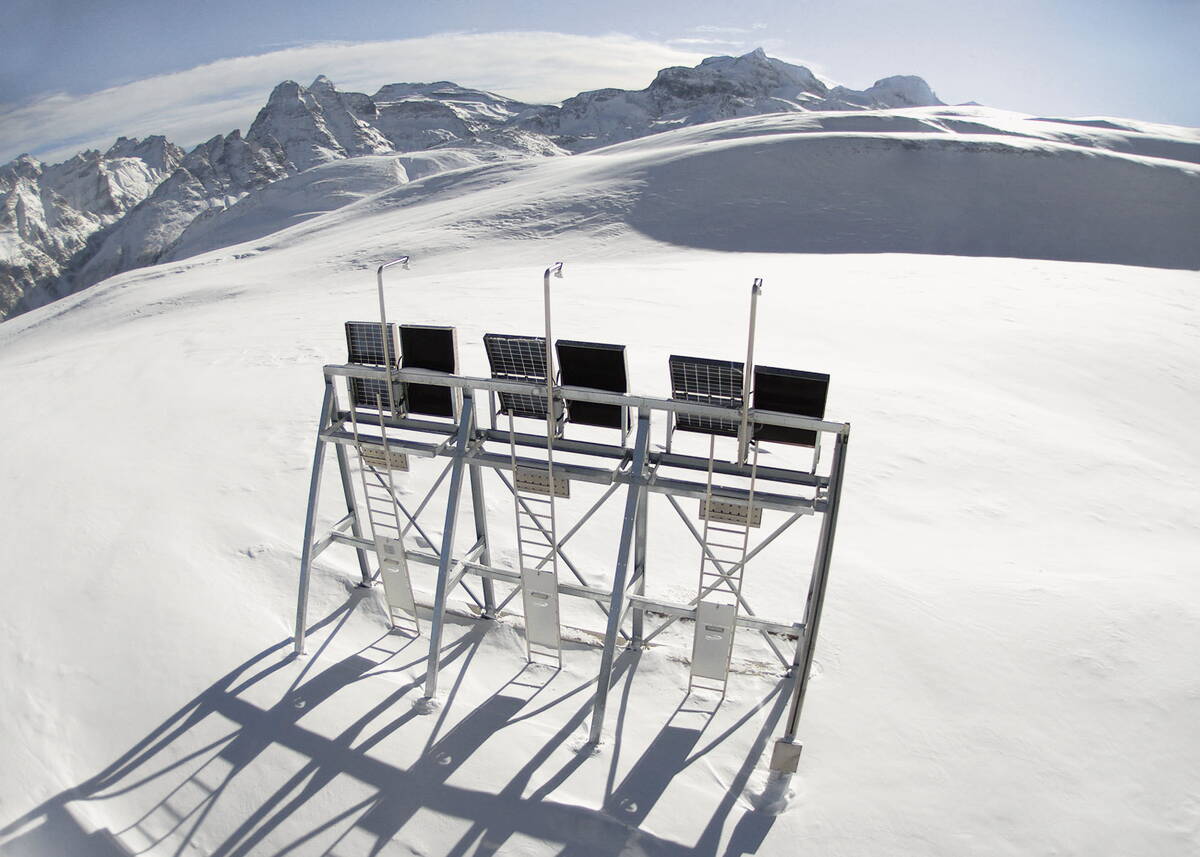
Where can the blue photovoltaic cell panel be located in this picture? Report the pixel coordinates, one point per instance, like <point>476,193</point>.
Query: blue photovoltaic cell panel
<point>596,365</point>
<point>790,391</point>
<point>426,346</point>
<point>707,382</point>
<point>364,341</point>
<point>518,358</point>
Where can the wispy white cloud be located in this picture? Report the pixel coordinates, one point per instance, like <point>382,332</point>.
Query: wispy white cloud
<point>193,105</point>
<point>701,43</point>
<point>719,30</point>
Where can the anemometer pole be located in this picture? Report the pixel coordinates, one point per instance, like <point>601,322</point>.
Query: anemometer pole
<point>747,373</point>
<point>383,328</point>
<point>556,271</point>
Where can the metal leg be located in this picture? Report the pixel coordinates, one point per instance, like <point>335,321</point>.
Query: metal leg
<point>447,553</point>
<point>310,519</point>
<point>618,591</point>
<point>479,509</point>
<point>787,751</point>
<point>639,566</point>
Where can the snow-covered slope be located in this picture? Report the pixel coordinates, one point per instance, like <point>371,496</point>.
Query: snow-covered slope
<point>1005,665</point>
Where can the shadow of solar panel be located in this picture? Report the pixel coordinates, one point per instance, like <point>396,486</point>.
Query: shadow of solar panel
<point>707,382</point>
<point>364,341</point>
<point>599,366</point>
<point>790,391</point>
<point>428,346</point>
<point>519,358</point>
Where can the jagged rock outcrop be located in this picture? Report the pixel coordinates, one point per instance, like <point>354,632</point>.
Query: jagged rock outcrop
<point>718,88</point>
<point>48,213</point>
<point>315,125</point>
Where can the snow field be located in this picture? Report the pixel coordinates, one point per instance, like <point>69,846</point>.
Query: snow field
<point>1005,661</point>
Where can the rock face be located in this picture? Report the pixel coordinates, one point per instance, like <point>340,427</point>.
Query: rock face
<point>66,226</point>
<point>48,213</point>
<point>718,88</point>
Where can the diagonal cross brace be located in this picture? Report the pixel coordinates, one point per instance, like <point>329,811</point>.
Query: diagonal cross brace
<point>625,546</point>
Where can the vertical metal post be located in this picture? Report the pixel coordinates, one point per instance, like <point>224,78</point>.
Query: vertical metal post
<point>787,750</point>
<point>343,460</point>
<point>479,511</point>
<point>447,555</point>
<point>639,565</point>
<point>383,331</point>
<point>748,373</point>
<point>628,525</point>
<point>553,270</point>
<point>310,519</point>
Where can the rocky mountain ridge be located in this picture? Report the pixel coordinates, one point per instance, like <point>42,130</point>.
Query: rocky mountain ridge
<point>66,226</point>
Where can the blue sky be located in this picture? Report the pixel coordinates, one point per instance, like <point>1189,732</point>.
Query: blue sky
<point>82,72</point>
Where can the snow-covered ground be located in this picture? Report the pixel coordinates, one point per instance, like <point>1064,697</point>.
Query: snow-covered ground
<point>1006,664</point>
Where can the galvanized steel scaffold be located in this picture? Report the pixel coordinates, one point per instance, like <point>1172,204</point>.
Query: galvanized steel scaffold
<point>388,438</point>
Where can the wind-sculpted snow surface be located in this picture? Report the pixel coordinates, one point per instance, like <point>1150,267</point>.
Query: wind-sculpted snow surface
<point>1006,659</point>
<point>902,193</point>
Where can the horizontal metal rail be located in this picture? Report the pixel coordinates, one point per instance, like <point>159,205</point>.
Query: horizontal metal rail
<point>583,394</point>
<point>603,476</point>
<point>593,593</point>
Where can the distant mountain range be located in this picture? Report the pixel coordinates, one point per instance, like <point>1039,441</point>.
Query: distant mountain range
<point>66,226</point>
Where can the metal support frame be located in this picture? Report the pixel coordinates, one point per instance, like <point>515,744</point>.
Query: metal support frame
<point>786,754</point>
<point>461,439</point>
<point>615,605</point>
<point>640,471</point>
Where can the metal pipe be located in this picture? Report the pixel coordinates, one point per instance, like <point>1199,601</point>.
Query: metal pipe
<point>747,373</point>
<point>812,612</point>
<point>587,394</point>
<point>447,551</point>
<point>615,610</point>
<point>383,328</point>
<point>310,520</point>
<point>553,270</point>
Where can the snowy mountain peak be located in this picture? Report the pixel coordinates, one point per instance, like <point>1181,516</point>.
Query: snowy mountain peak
<point>156,192</point>
<point>750,75</point>
<point>313,126</point>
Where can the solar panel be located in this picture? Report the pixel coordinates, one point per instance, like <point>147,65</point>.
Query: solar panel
<point>519,358</point>
<point>792,392</point>
<point>427,346</point>
<point>364,393</point>
<point>707,382</point>
<point>599,366</point>
<point>364,340</point>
